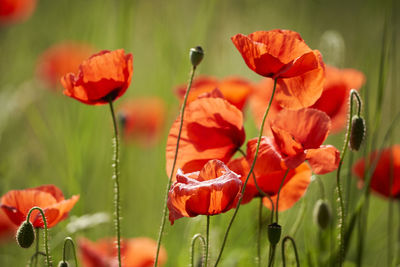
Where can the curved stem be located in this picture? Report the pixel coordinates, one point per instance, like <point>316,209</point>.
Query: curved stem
<point>203,241</point>
<point>66,240</point>
<point>164,216</point>
<point>46,245</point>
<point>35,256</point>
<point>207,240</point>
<point>272,256</point>
<point>115,177</point>
<point>321,186</point>
<point>259,232</point>
<point>294,248</point>
<point>279,192</point>
<point>248,175</point>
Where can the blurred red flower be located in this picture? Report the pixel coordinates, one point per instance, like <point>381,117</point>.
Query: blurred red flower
<point>212,129</point>
<point>135,252</point>
<point>12,11</point>
<point>142,119</point>
<point>269,172</point>
<point>299,136</point>
<point>17,203</point>
<point>386,176</point>
<point>334,100</point>
<point>105,75</point>
<point>283,55</point>
<point>61,59</point>
<point>234,89</point>
<point>7,227</point>
<point>212,190</point>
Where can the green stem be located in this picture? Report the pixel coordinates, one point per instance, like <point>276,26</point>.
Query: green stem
<point>321,186</point>
<point>207,239</point>
<point>37,245</point>
<point>272,256</point>
<point>279,192</point>
<point>203,241</point>
<point>165,209</point>
<point>35,256</point>
<point>46,245</point>
<point>248,176</point>
<point>115,177</point>
<point>294,248</point>
<point>260,204</point>
<point>66,240</point>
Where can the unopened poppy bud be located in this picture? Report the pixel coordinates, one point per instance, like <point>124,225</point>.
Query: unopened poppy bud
<point>196,55</point>
<point>25,235</point>
<point>357,132</point>
<point>322,213</point>
<point>121,119</point>
<point>63,264</point>
<point>274,233</point>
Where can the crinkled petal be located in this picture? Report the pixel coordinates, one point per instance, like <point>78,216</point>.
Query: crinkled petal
<point>324,159</point>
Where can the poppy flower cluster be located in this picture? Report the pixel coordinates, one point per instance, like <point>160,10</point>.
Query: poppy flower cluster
<point>17,203</point>
<point>136,252</point>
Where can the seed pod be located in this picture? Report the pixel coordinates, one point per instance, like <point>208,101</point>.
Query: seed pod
<point>25,235</point>
<point>196,55</point>
<point>357,132</point>
<point>274,233</point>
<point>322,214</point>
<point>63,264</point>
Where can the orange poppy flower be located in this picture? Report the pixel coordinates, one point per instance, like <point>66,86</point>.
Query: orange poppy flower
<point>269,172</point>
<point>212,129</point>
<point>59,60</point>
<point>17,203</point>
<point>234,89</point>
<point>135,252</point>
<point>12,11</point>
<point>386,176</point>
<point>299,136</point>
<point>104,75</point>
<point>334,100</point>
<point>7,227</point>
<point>142,119</point>
<point>212,190</point>
<point>283,55</point>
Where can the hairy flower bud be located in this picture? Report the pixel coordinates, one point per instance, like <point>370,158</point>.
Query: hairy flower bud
<point>25,235</point>
<point>196,55</point>
<point>357,132</point>
<point>274,233</point>
<point>63,264</point>
<point>322,213</point>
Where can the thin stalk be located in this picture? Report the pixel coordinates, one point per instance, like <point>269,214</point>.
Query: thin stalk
<point>36,246</point>
<point>46,245</point>
<point>66,240</point>
<point>203,241</point>
<point>115,177</point>
<point>35,256</point>
<point>207,240</point>
<point>294,248</point>
<point>248,176</point>
<point>165,209</point>
<point>260,204</point>
<point>272,256</point>
<point>279,192</point>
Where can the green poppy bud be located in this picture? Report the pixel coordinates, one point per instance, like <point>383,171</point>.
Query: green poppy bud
<point>63,264</point>
<point>196,55</point>
<point>25,235</point>
<point>274,233</point>
<point>322,213</point>
<point>357,132</point>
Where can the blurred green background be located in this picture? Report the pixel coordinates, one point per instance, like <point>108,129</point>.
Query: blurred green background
<point>48,138</point>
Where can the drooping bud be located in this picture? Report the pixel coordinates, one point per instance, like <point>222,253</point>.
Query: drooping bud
<point>63,264</point>
<point>196,55</point>
<point>322,213</point>
<point>357,132</point>
<point>25,235</point>
<point>274,233</point>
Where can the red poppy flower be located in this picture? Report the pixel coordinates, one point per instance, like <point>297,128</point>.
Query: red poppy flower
<point>386,176</point>
<point>135,252</point>
<point>17,203</point>
<point>7,227</point>
<point>212,129</point>
<point>269,172</point>
<point>334,100</point>
<point>234,89</point>
<point>12,11</point>
<point>142,119</point>
<point>259,101</point>
<point>299,136</point>
<point>61,59</point>
<point>104,75</point>
<point>283,55</point>
<point>213,190</point>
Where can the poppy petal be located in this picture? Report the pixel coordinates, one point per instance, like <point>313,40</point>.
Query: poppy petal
<point>324,159</point>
